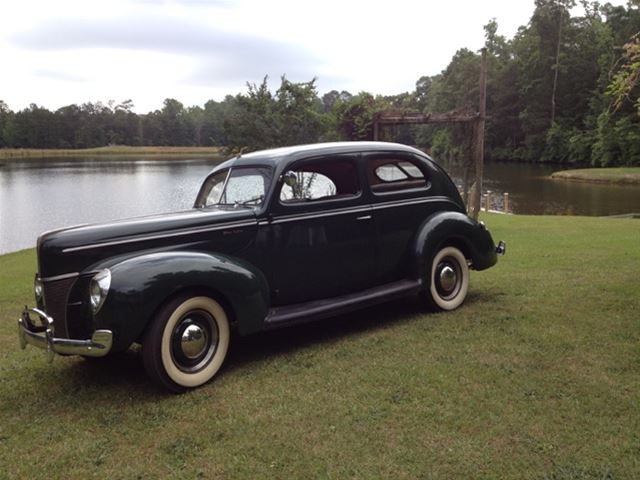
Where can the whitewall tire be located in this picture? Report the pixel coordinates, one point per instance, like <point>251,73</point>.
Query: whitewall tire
<point>187,342</point>
<point>449,279</point>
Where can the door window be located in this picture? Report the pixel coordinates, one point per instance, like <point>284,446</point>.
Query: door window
<point>321,180</point>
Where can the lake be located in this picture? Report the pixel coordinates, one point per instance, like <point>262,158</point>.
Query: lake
<point>42,194</point>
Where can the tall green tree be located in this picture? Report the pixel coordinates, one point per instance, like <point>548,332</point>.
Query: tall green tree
<point>5,123</point>
<point>355,116</point>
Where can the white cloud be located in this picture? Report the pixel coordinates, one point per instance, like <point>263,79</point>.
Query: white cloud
<point>73,51</point>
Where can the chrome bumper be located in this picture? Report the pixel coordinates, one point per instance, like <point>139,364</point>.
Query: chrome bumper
<point>42,337</point>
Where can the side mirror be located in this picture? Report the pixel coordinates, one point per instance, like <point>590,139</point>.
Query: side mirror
<point>290,178</point>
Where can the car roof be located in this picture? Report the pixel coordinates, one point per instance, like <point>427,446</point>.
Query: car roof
<point>275,157</point>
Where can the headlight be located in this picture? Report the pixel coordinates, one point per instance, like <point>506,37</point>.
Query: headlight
<point>38,289</point>
<point>98,289</point>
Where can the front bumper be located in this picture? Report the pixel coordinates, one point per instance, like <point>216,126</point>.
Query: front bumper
<point>42,337</point>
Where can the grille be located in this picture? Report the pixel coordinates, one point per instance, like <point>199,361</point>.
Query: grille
<point>56,294</point>
<point>79,315</point>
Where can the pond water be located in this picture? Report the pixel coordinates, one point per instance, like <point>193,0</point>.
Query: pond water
<point>42,194</point>
<point>532,192</point>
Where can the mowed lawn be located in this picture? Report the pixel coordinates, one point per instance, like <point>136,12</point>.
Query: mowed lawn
<point>536,376</point>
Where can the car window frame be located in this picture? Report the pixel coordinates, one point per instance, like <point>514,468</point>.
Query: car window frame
<point>317,204</point>
<point>268,186</point>
<point>398,157</point>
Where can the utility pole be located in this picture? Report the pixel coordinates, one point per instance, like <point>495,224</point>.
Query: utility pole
<point>478,134</point>
<point>556,69</point>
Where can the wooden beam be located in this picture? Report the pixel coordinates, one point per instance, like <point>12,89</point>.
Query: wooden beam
<point>425,118</point>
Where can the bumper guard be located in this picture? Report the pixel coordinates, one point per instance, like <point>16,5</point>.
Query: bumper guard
<point>42,337</point>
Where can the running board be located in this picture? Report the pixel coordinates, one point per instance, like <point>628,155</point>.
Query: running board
<point>319,309</point>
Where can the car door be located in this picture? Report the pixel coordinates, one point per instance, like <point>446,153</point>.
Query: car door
<point>400,188</point>
<point>321,231</point>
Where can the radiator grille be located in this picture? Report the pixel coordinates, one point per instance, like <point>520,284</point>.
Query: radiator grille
<point>56,294</point>
<point>79,323</point>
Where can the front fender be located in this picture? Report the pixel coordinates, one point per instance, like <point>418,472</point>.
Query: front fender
<point>455,229</point>
<point>139,285</point>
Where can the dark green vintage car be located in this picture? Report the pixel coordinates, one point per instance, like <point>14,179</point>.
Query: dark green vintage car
<point>275,238</point>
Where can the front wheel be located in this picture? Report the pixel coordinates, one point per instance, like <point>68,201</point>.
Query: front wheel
<point>186,342</point>
<point>449,279</point>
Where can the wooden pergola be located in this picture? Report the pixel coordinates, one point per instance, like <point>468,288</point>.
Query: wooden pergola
<point>476,119</point>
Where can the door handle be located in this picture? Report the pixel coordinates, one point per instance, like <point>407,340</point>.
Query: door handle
<point>364,217</point>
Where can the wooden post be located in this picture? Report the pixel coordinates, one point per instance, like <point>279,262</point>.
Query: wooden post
<point>506,202</point>
<point>376,130</point>
<point>488,206</point>
<point>465,185</point>
<point>478,131</point>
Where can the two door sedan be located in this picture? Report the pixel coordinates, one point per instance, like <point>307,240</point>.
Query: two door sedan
<point>275,238</point>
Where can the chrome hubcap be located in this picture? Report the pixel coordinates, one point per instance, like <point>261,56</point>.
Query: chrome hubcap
<point>448,278</point>
<point>193,341</point>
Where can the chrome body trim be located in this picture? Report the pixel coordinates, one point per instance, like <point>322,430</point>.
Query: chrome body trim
<point>42,337</point>
<point>357,209</point>
<point>410,201</point>
<point>61,277</point>
<point>311,216</point>
<point>143,238</point>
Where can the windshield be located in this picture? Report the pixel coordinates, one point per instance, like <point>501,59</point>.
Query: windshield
<point>237,187</point>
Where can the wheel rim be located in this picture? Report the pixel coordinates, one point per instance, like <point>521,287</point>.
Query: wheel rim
<point>194,341</point>
<point>448,278</point>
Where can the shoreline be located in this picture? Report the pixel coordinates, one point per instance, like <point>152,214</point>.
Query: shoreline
<point>602,176</point>
<point>116,150</point>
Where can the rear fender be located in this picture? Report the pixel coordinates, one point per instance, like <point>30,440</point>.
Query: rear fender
<point>452,229</point>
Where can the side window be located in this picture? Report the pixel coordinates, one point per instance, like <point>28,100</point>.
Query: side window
<point>320,180</point>
<point>393,174</point>
<point>390,172</point>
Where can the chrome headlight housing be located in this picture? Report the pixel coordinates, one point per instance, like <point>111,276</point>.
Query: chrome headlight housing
<point>98,289</point>
<point>38,290</point>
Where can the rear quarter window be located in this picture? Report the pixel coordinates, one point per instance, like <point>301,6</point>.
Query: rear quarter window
<point>394,174</point>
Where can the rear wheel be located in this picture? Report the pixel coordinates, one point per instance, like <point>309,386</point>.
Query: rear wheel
<point>186,343</point>
<point>449,279</point>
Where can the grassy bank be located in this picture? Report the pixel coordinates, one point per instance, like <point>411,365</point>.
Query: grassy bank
<point>536,376</point>
<point>17,153</point>
<point>618,176</point>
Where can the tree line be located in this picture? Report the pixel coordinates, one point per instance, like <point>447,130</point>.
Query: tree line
<point>564,89</point>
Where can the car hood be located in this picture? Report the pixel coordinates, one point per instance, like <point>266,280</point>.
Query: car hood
<point>74,249</point>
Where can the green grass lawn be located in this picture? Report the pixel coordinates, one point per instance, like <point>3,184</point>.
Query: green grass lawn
<point>21,153</point>
<point>622,175</point>
<point>537,376</point>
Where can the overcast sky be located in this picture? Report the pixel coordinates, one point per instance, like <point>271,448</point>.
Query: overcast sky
<point>55,53</point>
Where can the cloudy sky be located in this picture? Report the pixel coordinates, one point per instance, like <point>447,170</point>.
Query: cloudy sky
<point>55,53</point>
